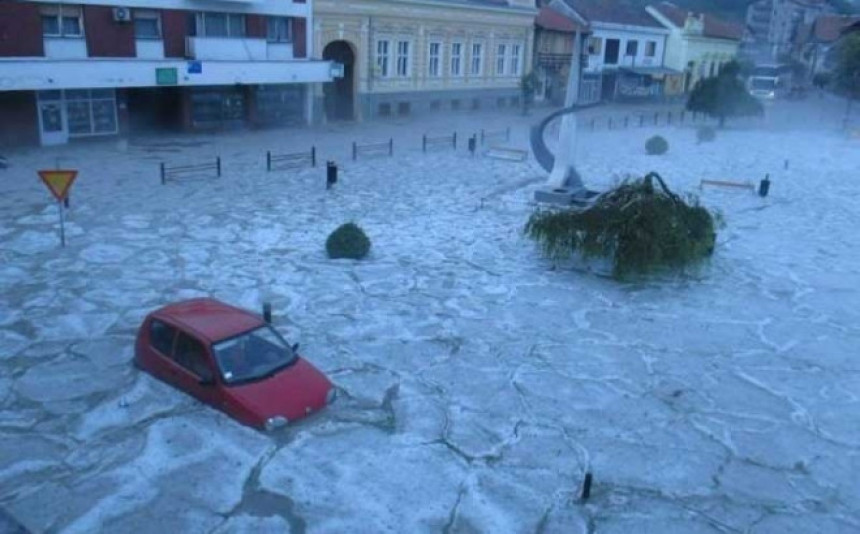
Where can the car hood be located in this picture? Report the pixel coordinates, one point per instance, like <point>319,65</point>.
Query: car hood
<point>292,393</point>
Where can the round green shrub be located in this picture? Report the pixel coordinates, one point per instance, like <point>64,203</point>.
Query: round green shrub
<point>706,134</point>
<point>347,241</point>
<point>656,145</point>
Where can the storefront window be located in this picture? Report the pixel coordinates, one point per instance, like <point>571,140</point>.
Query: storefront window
<point>217,107</point>
<point>282,104</point>
<point>91,112</point>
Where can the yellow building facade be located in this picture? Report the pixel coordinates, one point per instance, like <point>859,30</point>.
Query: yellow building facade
<point>404,57</point>
<point>698,45</point>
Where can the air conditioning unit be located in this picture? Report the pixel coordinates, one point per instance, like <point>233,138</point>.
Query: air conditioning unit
<point>121,14</point>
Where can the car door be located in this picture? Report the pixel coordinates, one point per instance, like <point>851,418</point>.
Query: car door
<point>161,337</point>
<point>192,369</point>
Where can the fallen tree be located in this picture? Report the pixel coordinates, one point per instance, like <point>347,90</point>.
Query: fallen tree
<point>639,226</point>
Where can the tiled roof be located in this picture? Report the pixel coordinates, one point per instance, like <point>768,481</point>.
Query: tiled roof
<point>487,3</point>
<point>612,11</point>
<point>828,28</point>
<point>550,19</point>
<point>714,27</point>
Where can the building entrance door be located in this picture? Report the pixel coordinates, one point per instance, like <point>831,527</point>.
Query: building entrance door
<point>53,125</point>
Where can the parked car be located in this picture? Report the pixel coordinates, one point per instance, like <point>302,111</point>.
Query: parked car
<point>232,360</point>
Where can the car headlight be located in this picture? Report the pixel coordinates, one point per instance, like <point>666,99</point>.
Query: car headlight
<point>273,423</point>
<point>331,396</point>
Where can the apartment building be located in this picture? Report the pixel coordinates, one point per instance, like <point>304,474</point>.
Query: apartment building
<point>88,68</point>
<point>772,26</point>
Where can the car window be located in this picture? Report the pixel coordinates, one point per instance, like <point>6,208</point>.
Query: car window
<point>191,354</point>
<point>161,337</point>
<point>252,355</point>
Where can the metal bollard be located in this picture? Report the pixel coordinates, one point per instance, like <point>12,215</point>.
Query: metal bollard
<point>331,174</point>
<point>764,186</point>
<point>473,143</point>
<point>586,487</point>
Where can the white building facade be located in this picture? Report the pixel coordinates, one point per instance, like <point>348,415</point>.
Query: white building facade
<point>625,49</point>
<point>92,68</point>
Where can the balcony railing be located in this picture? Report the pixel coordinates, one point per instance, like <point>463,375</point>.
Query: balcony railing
<point>226,48</point>
<point>546,59</point>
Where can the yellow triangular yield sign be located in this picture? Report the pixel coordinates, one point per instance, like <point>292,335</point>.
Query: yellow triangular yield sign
<point>59,182</point>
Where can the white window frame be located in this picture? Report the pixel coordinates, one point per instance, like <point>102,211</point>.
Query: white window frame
<point>383,58</point>
<point>457,59</point>
<point>650,48</point>
<point>501,59</point>
<point>434,61</point>
<point>278,37</point>
<point>516,59</point>
<point>595,46</point>
<point>56,11</point>
<point>635,43</point>
<point>476,61</point>
<point>90,101</point>
<point>139,14</point>
<point>403,63</point>
<point>200,24</point>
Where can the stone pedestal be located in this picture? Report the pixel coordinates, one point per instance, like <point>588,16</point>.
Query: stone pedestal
<point>566,196</point>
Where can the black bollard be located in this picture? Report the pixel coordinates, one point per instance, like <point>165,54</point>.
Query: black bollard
<point>267,312</point>
<point>331,174</point>
<point>473,143</point>
<point>764,186</point>
<point>586,487</point>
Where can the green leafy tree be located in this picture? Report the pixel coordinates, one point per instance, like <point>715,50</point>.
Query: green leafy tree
<point>528,87</point>
<point>724,96</point>
<point>847,73</point>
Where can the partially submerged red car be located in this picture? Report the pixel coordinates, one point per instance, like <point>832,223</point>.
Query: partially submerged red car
<point>232,360</point>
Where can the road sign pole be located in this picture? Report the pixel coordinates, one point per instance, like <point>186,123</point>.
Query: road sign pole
<point>62,224</point>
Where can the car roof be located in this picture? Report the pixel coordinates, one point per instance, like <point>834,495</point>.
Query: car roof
<point>209,318</point>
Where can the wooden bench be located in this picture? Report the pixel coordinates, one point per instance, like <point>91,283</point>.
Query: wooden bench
<point>508,154</point>
<point>726,183</point>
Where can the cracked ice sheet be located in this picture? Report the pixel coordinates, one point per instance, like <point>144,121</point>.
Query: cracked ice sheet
<point>683,394</point>
<point>169,485</point>
<point>378,481</point>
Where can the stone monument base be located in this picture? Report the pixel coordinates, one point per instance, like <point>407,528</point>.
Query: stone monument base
<point>566,196</point>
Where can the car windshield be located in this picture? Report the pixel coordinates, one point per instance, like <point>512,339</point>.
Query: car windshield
<point>764,84</point>
<point>253,355</point>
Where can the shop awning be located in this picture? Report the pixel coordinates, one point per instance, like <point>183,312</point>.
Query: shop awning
<point>652,71</point>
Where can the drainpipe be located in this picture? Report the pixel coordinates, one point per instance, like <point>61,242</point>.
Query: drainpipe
<point>310,54</point>
<point>309,31</point>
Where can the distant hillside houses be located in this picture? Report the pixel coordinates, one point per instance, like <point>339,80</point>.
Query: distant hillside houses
<point>816,42</point>
<point>629,53</point>
<point>773,26</point>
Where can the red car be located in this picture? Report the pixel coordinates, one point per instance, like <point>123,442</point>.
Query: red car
<point>231,359</point>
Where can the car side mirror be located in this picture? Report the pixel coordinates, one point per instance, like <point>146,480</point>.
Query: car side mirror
<point>295,347</point>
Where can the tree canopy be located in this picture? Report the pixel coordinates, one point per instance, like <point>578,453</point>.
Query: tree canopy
<point>723,96</point>
<point>847,74</point>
